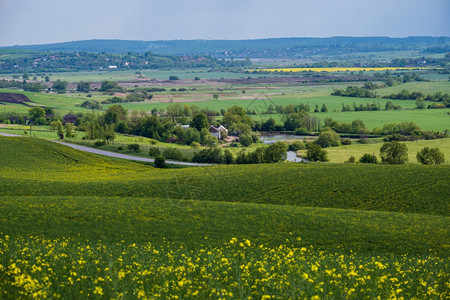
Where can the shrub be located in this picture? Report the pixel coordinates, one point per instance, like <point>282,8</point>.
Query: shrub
<point>328,138</point>
<point>99,143</point>
<point>173,77</point>
<point>316,153</point>
<point>394,153</point>
<point>211,155</point>
<point>429,156</point>
<point>120,148</point>
<point>160,162</point>
<point>154,152</point>
<point>195,145</point>
<point>173,153</point>
<point>246,140</point>
<point>297,145</point>
<point>368,159</point>
<point>346,142</point>
<point>351,160</point>
<point>134,147</point>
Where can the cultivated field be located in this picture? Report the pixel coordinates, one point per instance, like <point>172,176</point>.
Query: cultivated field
<point>81,225</point>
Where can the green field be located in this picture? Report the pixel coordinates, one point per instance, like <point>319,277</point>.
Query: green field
<point>342,153</point>
<point>81,225</point>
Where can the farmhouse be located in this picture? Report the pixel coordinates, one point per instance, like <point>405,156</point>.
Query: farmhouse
<point>70,118</point>
<point>17,120</point>
<point>219,132</point>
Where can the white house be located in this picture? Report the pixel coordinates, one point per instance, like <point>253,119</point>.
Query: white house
<point>218,132</point>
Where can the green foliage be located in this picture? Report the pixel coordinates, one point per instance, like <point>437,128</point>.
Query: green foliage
<point>328,138</point>
<point>174,77</point>
<point>199,121</point>
<point>246,140</point>
<point>316,153</point>
<point>134,147</point>
<point>297,145</point>
<point>111,86</point>
<point>36,113</point>
<point>160,161</point>
<point>173,153</point>
<point>429,156</point>
<point>368,159</point>
<point>154,152</point>
<point>60,86</point>
<point>84,87</point>
<point>394,153</point>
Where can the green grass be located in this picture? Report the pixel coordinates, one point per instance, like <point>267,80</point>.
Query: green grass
<point>342,153</point>
<point>39,168</point>
<point>78,225</point>
<point>426,87</point>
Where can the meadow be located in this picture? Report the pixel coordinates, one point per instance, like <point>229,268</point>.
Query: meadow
<point>77,225</point>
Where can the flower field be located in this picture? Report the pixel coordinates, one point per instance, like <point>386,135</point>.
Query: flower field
<point>77,225</point>
<point>338,69</point>
<point>39,268</point>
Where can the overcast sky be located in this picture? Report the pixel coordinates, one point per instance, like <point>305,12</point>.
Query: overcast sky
<point>24,22</point>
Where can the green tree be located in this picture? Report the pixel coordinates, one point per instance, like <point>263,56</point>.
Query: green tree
<point>228,157</point>
<point>68,127</point>
<point>429,156</point>
<point>276,152</point>
<point>199,121</point>
<point>84,87</point>
<point>368,159</point>
<point>246,140</point>
<point>324,108</point>
<point>36,113</point>
<point>160,162</point>
<point>216,96</point>
<point>60,86</point>
<point>114,114</point>
<point>316,153</point>
<point>420,104</point>
<point>328,138</point>
<point>394,153</point>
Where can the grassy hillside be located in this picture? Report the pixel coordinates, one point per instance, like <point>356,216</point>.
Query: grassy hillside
<point>78,225</point>
<point>33,167</point>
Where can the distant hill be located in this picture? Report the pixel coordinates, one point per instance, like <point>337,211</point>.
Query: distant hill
<point>257,48</point>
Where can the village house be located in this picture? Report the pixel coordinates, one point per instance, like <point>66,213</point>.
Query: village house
<point>70,118</point>
<point>219,132</point>
<point>15,120</point>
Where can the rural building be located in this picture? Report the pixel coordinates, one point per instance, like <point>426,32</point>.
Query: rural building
<point>218,132</point>
<point>15,120</point>
<point>70,118</point>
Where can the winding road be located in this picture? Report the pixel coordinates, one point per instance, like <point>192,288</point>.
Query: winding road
<point>113,154</point>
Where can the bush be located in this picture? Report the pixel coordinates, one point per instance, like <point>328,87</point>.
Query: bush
<point>211,155</point>
<point>346,142</point>
<point>328,139</point>
<point>368,159</point>
<point>134,147</point>
<point>99,143</point>
<point>173,153</point>
<point>295,146</point>
<point>394,153</point>
<point>430,156</point>
<point>316,153</point>
<point>160,162</point>
<point>154,152</point>
<point>173,77</point>
<point>246,140</point>
<point>351,160</point>
<point>120,148</point>
<point>195,145</point>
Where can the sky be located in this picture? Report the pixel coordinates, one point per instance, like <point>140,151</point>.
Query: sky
<point>25,22</point>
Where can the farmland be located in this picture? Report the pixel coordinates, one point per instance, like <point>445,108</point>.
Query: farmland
<point>63,211</point>
<point>78,225</point>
